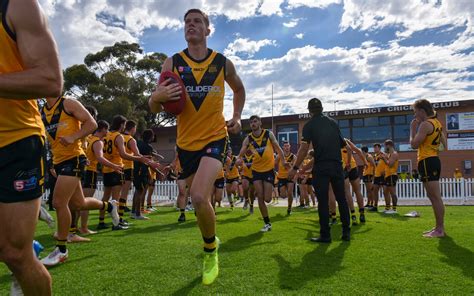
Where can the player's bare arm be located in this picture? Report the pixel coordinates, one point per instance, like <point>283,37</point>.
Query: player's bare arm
<point>88,124</point>
<point>42,76</point>
<point>234,125</point>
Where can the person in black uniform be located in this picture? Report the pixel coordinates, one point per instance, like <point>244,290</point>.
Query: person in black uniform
<point>323,132</point>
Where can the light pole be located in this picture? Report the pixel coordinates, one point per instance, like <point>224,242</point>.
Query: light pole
<point>335,102</point>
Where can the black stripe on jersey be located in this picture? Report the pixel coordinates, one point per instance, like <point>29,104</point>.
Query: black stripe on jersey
<point>3,15</point>
<point>232,163</point>
<point>248,161</point>
<point>52,126</point>
<point>208,78</point>
<point>260,148</point>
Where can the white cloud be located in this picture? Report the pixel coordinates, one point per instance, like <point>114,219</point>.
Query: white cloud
<point>312,3</point>
<point>411,15</point>
<point>299,36</point>
<point>270,7</point>
<point>291,24</point>
<point>246,46</point>
<point>394,75</point>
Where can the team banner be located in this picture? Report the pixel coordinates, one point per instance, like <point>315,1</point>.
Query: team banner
<point>460,121</point>
<point>464,141</point>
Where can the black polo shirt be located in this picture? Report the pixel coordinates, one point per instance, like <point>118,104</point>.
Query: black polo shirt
<point>326,137</point>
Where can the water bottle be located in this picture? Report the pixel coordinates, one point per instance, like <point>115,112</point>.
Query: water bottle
<point>37,248</point>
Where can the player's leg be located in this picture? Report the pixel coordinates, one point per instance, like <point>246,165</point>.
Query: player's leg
<point>181,199</point>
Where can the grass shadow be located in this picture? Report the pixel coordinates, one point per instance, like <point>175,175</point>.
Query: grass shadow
<point>457,256</point>
<point>398,217</point>
<point>242,243</point>
<point>320,263</point>
<point>188,288</point>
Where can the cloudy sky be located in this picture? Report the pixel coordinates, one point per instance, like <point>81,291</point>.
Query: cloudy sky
<point>359,53</point>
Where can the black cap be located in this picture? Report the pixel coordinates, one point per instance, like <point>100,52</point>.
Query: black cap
<point>315,104</point>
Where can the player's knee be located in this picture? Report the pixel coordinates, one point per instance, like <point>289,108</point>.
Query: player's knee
<point>198,198</point>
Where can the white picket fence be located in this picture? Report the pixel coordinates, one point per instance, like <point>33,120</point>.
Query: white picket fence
<point>407,190</point>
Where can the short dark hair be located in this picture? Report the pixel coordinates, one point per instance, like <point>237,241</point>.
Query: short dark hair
<point>315,106</point>
<point>101,125</point>
<point>389,142</point>
<point>197,10</point>
<point>117,121</point>
<point>130,124</point>
<point>426,106</point>
<point>148,135</point>
<point>285,142</point>
<point>93,111</point>
<point>377,145</point>
<point>365,149</point>
<point>255,117</point>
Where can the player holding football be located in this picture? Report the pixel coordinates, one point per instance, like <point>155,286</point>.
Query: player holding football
<point>202,129</point>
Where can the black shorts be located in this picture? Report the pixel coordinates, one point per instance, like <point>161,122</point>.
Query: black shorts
<point>73,167</point>
<point>219,183</point>
<point>379,181</point>
<point>22,170</point>
<point>368,178</point>
<point>128,175</point>
<point>248,179</point>
<point>391,180</point>
<point>268,176</point>
<point>230,181</point>
<point>180,176</point>
<point>309,181</point>
<point>283,182</point>
<point>429,169</point>
<point>190,159</point>
<point>89,180</point>
<point>353,174</point>
<point>113,179</point>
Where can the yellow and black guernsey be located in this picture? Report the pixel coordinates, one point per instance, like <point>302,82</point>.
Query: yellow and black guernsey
<point>391,170</point>
<point>19,119</point>
<point>233,170</point>
<point>92,159</point>
<point>127,164</point>
<point>202,120</point>
<point>283,171</point>
<point>380,165</point>
<point>111,152</point>
<point>247,167</point>
<point>344,159</point>
<point>430,145</point>
<point>262,149</point>
<point>59,123</point>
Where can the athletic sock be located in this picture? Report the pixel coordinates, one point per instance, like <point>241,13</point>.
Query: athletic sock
<point>72,230</point>
<point>361,211</point>
<point>333,215</point>
<point>181,211</point>
<point>210,244</point>
<point>122,204</point>
<point>266,220</point>
<point>61,244</point>
<point>387,208</point>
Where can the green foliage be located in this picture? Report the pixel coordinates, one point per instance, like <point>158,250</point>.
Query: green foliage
<point>118,80</point>
<point>387,256</point>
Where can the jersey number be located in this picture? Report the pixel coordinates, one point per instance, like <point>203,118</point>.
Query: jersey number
<point>108,146</point>
<point>437,139</point>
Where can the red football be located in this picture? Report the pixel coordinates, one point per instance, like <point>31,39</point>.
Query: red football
<point>174,107</point>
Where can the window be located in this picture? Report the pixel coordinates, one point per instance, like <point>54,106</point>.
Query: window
<point>401,132</point>
<point>346,132</point>
<point>371,121</point>
<point>400,119</point>
<point>410,118</point>
<point>370,134</point>
<point>384,120</point>
<point>288,133</point>
<point>358,122</point>
<point>343,123</point>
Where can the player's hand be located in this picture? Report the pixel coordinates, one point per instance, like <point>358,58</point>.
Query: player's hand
<point>155,165</point>
<point>117,169</point>
<point>166,91</point>
<point>67,140</point>
<point>414,124</point>
<point>234,125</point>
<point>239,162</point>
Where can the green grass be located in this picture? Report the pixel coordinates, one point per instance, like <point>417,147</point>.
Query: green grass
<point>160,257</point>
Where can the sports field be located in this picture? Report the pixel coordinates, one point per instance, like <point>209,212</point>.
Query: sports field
<point>161,257</point>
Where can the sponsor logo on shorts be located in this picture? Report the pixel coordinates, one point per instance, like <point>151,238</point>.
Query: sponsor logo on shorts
<point>25,185</point>
<point>212,150</point>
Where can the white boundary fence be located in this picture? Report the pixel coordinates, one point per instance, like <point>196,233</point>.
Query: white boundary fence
<point>458,191</point>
